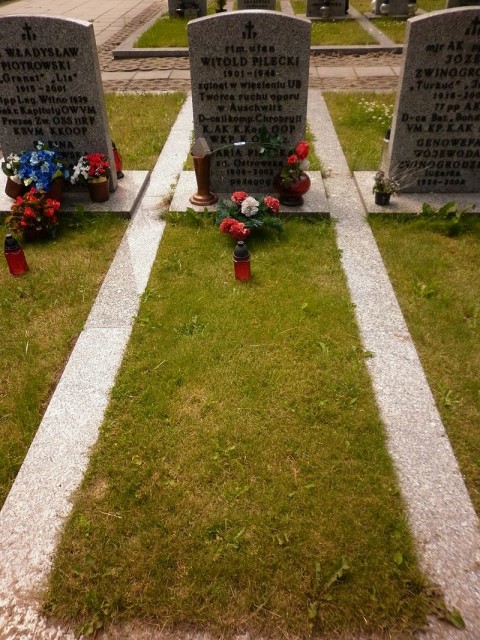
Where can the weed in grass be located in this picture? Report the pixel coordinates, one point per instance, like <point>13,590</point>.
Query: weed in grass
<point>243,457</point>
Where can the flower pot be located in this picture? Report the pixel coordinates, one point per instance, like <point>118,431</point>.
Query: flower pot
<point>292,196</point>
<point>30,234</point>
<point>14,189</point>
<point>56,190</point>
<point>382,198</point>
<point>99,189</point>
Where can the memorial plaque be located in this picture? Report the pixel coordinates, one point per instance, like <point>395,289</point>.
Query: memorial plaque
<point>51,88</point>
<point>435,142</point>
<point>187,8</point>
<point>336,8</point>
<point>249,71</point>
<point>266,5</point>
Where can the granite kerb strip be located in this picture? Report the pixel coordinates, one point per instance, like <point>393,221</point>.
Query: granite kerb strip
<point>441,515</point>
<point>39,501</point>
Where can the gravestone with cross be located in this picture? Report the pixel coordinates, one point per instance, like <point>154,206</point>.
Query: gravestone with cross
<point>51,88</point>
<point>435,140</point>
<point>249,76</point>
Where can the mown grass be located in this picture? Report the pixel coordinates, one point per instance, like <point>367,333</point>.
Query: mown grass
<point>394,28</point>
<point>361,120</point>
<point>241,481</point>
<point>332,32</point>
<point>172,32</point>
<point>44,311</point>
<point>434,275</point>
<point>435,279</point>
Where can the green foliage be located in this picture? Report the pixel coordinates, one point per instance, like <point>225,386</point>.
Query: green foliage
<point>448,219</point>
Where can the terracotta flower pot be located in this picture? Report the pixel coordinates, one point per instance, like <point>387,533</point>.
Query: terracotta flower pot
<point>14,189</point>
<point>292,196</point>
<point>56,190</point>
<point>99,189</point>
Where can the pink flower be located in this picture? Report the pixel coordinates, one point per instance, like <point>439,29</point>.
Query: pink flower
<point>238,197</point>
<point>292,159</point>
<point>272,203</point>
<point>302,150</point>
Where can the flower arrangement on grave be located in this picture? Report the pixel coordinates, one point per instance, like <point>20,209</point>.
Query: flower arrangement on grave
<point>384,187</point>
<point>14,186</point>
<point>243,214</point>
<point>292,182</point>
<point>297,164</point>
<point>40,167</point>
<point>93,169</point>
<point>384,184</point>
<point>34,212</point>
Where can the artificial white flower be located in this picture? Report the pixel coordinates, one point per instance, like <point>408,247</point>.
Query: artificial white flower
<point>304,164</point>
<point>250,207</point>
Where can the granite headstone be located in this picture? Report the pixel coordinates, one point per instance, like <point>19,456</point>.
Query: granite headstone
<point>336,8</point>
<point>435,141</point>
<point>266,5</point>
<point>452,4</point>
<point>187,8</point>
<point>51,88</point>
<point>398,8</point>
<point>249,72</point>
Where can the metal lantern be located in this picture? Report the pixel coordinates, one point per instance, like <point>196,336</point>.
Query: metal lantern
<point>241,261</point>
<point>15,257</point>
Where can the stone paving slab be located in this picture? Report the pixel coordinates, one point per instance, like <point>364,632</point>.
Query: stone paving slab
<point>409,202</point>
<point>315,200</point>
<point>122,201</point>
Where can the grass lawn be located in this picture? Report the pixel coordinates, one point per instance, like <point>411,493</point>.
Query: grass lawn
<point>44,311</point>
<point>172,32</point>
<point>241,481</point>
<point>435,278</point>
<point>394,28</point>
<point>361,120</point>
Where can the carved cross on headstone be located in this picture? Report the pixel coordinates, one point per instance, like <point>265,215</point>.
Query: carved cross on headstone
<point>249,32</point>
<point>28,35</point>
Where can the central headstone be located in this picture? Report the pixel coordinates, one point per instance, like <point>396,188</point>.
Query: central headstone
<point>265,5</point>
<point>249,72</point>
<point>51,88</point>
<point>435,141</point>
<point>320,8</point>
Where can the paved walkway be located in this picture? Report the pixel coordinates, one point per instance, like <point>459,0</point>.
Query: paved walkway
<point>441,515</point>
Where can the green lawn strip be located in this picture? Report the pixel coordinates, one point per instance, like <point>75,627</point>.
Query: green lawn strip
<point>434,276</point>
<point>44,311</point>
<point>436,280</point>
<point>168,32</point>
<point>346,32</point>
<point>361,120</point>
<point>242,462</point>
<point>394,28</point>
<point>299,6</point>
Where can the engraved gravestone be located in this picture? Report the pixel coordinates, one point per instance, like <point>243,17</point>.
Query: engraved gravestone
<point>51,88</point>
<point>249,72</point>
<point>266,5</point>
<point>316,8</point>
<point>187,8</point>
<point>435,141</point>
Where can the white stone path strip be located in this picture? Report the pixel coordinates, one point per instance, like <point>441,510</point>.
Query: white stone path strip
<point>441,514</point>
<point>39,501</point>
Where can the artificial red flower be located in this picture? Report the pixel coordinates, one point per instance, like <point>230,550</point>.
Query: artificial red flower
<point>239,231</point>
<point>302,150</point>
<point>292,159</point>
<point>272,203</point>
<point>28,212</point>
<point>225,224</point>
<point>238,197</point>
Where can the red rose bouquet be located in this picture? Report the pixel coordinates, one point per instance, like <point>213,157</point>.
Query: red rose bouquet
<point>297,163</point>
<point>34,211</point>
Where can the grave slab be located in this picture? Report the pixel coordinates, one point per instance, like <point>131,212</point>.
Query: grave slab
<point>122,201</point>
<point>315,200</point>
<point>410,202</point>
